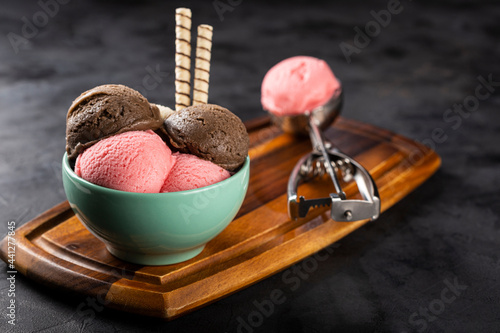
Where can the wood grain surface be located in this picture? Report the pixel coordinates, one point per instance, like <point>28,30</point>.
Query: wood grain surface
<point>56,250</point>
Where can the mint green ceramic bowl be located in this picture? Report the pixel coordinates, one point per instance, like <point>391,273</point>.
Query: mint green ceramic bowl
<point>155,228</point>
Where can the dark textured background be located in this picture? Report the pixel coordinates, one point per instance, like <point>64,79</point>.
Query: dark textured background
<point>383,277</point>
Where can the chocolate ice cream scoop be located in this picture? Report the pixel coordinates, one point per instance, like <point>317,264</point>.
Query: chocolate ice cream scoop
<point>210,132</point>
<point>105,111</point>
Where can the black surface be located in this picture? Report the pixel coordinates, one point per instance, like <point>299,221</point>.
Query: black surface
<point>385,276</point>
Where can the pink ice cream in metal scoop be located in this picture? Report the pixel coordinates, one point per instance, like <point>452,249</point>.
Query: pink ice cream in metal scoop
<point>135,161</point>
<point>297,85</point>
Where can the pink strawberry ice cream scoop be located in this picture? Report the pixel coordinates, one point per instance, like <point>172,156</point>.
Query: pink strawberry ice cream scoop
<point>297,85</point>
<point>135,161</point>
<point>190,172</point>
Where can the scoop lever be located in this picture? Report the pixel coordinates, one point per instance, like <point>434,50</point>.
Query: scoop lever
<point>336,163</point>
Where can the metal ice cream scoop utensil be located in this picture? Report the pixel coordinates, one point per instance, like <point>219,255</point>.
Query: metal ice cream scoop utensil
<point>326,159</point>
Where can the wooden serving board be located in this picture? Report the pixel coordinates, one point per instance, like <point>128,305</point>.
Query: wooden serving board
<point>56,250</point>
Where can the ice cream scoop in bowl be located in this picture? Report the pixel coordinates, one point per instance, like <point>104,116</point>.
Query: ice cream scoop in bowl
<point>304,97</point>
<point>148,203</point>
<point>155,228</point>
<point>154,184</point>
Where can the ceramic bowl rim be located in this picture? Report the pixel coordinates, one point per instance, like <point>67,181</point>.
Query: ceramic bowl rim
<point>72,175</point>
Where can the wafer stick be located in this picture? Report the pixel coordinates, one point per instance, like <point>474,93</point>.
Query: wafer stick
<point>182,58</point>
<point>202,64</point>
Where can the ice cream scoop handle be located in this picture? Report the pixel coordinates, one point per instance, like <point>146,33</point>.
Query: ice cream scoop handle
<point>319,147</point>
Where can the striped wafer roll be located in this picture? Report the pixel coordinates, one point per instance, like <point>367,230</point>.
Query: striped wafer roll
<point>202,64</point>
<point>182,58</point>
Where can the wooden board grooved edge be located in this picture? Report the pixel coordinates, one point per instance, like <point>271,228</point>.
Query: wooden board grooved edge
<point>56,250</point>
